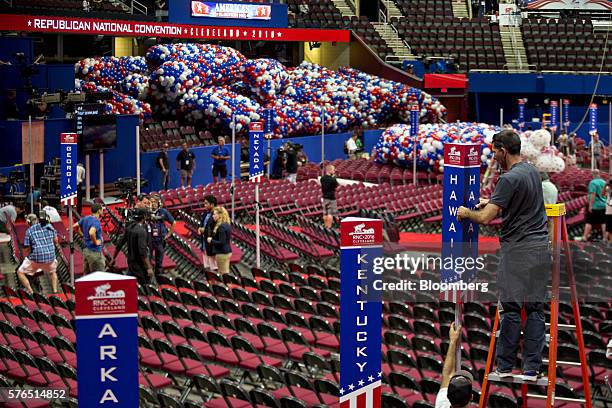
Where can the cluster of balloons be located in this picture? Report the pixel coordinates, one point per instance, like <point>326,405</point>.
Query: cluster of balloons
<point>536,148</point>
<point>120,103</point>
<point>397,146</point>
<point>266,78</point>
<point>208,84</point>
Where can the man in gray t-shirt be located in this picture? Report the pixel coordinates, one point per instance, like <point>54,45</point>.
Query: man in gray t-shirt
<point>524,266</point>
<point>9,212</point>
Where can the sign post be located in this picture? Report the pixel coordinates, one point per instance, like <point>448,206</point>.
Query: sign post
<point>459,239</point>
<point>566,121</point>
<point>256,171</point>
<point>554,119</point>
<point>233,165</point>
<point>360,313</point>
<point>323,140</point>
<point>269,131</point>
<point>592,130</point>
<point>107,340</point>
<point>521,118</point>
<point>414,132</point>
<point>68,184</point>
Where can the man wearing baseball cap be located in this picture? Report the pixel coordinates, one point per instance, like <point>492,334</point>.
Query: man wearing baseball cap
<point>456,388</point>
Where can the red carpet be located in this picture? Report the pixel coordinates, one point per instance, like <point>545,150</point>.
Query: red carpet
<point>413,241</point>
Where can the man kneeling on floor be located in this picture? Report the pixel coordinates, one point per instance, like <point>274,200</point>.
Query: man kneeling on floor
<point>39,246</point>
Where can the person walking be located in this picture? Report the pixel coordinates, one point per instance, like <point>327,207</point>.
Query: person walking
<point>206,230</point>
<point>221,239</point>
<point>185,164</point>
<point>595,148</point>
<point>351,145</point>
<point>162,164</point>
<point>329,184</point>
<point>609,210</point>
<point>291,163</point>
<point>91,229</point>
<point>596,206</point>
<point>525,263</point>
<point>136,240</point>
<point>220,155</point>
<point>159,233</point>
<point>39,247</point>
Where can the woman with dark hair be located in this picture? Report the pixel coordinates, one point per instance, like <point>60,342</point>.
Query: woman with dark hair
<point>221,239</point>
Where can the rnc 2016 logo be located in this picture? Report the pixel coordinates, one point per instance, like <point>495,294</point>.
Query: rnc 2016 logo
<point>361,232</point>
<point>454,156</point>
<point>474,156</point>
<point>68,138</point>
<point>105,301</point>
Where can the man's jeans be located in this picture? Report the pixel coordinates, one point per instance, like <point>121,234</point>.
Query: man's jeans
<point>522,279</point>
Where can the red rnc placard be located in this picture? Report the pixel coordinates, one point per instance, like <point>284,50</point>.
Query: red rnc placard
<point>462,155</point>
<point>360,232</point>
<point>102,293</point>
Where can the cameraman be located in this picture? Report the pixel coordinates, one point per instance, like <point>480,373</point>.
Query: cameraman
<point>158,232</point>
<point>137,240</point>
<point>291,162</point>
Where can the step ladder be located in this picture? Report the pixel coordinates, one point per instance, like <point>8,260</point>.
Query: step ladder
<point>556,216</point>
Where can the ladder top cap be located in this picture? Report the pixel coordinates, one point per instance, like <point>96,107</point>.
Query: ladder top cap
<point>555,210</point>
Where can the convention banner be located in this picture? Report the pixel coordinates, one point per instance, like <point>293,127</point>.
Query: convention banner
<point>256,162</point>
<point>122,28</point>
<point>269,114</point>
<point>566,121</point>
<point>68,168</point>
<point>459,238</point>
<point>106,315</point>
<point>554,115</point>
<point>521,118</point>
<point>243,11</point>
<point>569,4</point>
<point>360,313</point>
<point>593,118</point>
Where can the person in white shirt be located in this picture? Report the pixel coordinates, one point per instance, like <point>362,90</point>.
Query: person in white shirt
<point>351,146</point>
<point>549,190</point>
<point>80,186</point>
<point>51,212</point>
<point>456,387</point>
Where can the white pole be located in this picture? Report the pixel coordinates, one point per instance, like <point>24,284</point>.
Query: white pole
<point>71,246</point>
<point>323,139</point>
<point>233,164</point>
<point>87,184</point>
<point>137,160</point>
<point>269,156</point>
<point>592,154</point>
<point>457,323</point>
<point>102,175</point>
<point>31,165</point>
<point>501,117</point>
<point>257,230</point>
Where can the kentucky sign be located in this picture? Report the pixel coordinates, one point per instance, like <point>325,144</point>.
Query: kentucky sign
<point>360,314</point>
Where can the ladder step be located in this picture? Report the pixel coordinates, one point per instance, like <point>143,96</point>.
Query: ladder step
<point>517,379</point>
<point>564,326</point>
<point>569,363</point>
<point>578,400</point>
<point>560,287</point>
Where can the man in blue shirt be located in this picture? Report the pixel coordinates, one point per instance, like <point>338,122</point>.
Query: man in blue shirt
<point>39,246</point>
<point>91,230</point>
<point>159,233</point>
<point>220,155</point>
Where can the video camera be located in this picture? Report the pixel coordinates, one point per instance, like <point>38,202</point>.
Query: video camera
<point>139,214</point>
